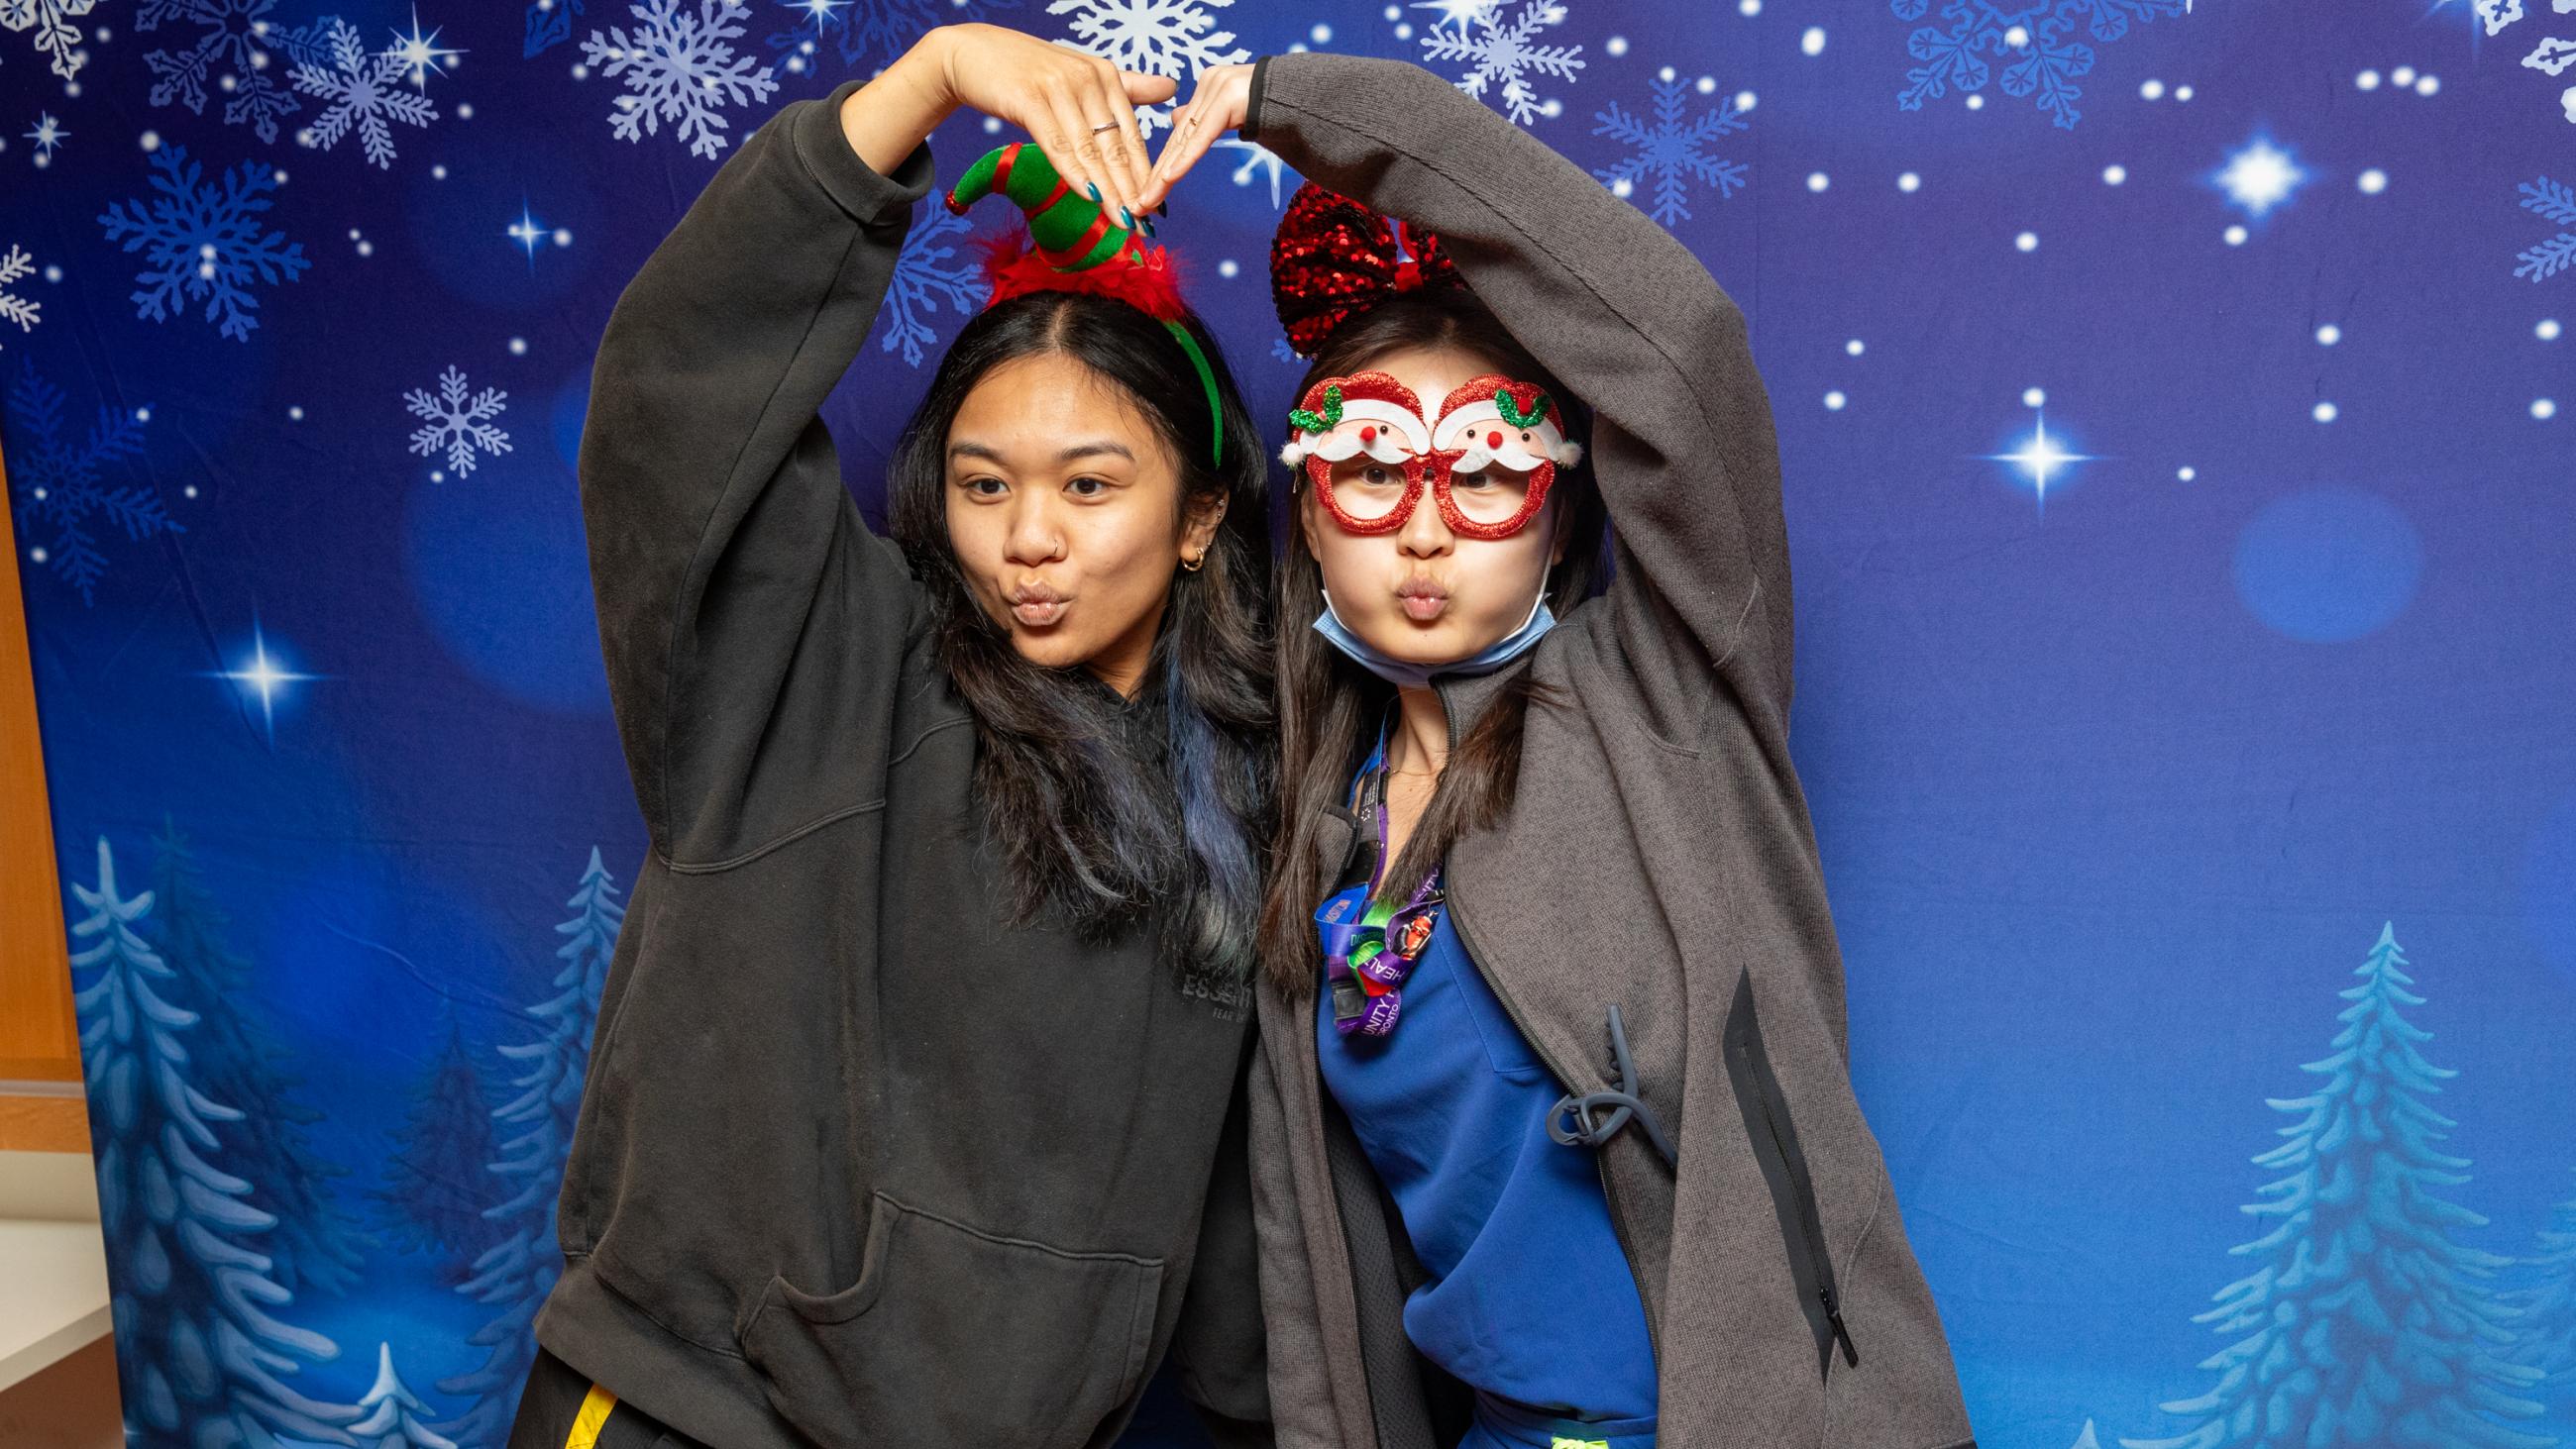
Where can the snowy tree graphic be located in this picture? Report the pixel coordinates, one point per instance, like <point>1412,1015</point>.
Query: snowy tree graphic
<point>2035,43</point>
<point>17,265</point>
<point>927,272</point>
<point>365,92</point>
<point>1509,54</point>
<point>456,424</point>
<point>391,1416</point>
<point>61,484</point>
<point>199,242</point>
<point>1176,38</point>
<point>316,1244</point>
<point>515,1275</point>
<point>200,1349</point>
<point>2557,202</point>
<point>56,36</point>
<point>2365,1324</point>
<point>1669,149</point>
<point>2545,1311</point>
<point>231,55</point>
<point>679,67</point>
<point>435,1180</point>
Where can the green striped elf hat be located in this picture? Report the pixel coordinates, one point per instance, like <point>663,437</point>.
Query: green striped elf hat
<point>1075,246</point>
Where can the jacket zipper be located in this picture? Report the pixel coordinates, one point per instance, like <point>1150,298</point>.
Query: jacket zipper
<point>1810,1222</point>
<point>1520,1023</point>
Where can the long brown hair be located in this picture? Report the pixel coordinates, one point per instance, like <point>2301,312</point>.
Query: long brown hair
<point>1329,707</point>
<point>1095,823</point>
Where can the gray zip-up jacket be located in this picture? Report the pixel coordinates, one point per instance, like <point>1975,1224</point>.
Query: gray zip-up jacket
<point>1658,857</point>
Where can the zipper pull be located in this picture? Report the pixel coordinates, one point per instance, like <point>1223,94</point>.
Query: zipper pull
<point>1834,1316</point>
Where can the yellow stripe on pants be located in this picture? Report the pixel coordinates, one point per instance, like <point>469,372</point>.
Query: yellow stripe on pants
<point>593,1416</point>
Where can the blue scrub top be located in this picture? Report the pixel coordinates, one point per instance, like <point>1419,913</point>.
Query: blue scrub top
<point>1530,1297</point>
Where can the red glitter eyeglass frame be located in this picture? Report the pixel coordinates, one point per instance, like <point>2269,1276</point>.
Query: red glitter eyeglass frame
<point>1435,466</point>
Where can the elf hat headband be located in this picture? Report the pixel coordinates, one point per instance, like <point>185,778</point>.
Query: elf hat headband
<point>1489,453</point>
<point>1075,247</point>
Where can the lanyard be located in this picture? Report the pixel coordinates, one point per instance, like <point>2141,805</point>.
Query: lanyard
<point>1371,942</point>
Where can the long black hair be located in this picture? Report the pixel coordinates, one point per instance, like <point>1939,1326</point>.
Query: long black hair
<point>1329,707</point>
<point>1100,815</point>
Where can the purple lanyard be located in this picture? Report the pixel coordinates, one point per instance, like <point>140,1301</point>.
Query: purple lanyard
<point>1371,945</point>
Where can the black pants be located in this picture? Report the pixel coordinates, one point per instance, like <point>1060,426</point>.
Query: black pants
<point>551,1414</point>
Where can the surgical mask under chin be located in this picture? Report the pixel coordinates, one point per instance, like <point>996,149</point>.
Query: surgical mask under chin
<point>1406,673</point>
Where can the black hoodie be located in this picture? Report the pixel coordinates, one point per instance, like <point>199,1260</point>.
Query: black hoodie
<point>857,1163</point>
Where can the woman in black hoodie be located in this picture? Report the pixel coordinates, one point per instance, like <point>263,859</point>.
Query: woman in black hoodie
<point>907,1119</point>
<point>1552,1120</point>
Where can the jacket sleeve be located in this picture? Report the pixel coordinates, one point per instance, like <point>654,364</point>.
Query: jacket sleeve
<point>746,614</point>
<point>1623,313</point>
<point>1217,1348</point>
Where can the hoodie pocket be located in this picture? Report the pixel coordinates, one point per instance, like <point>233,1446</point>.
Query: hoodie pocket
<point>1774,1137</point>
<point>952,1335</point>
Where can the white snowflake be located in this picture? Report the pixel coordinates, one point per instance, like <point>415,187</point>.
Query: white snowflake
<point>2555,201</point>
<point>238,37</point>
<point>1258,160</point>
<point>455,424</point>
<point>1157,37</point>
<point>1509,54</point>
<point>55,34</point>
<point>927,273</point>
<point>679,68</point>
<point>201,243</point>
<point>365,91</point>
<point>1669,148</point>
<point>14,265</point>
<point>48,136</point>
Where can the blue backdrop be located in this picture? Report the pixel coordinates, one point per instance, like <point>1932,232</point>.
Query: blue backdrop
<point>2183,544</point>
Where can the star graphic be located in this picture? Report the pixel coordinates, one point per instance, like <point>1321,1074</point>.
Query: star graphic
<point>2038,457</point>
<point>263,677</point>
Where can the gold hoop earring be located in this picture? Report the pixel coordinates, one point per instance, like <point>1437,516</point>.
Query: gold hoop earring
<point>1195,564</point>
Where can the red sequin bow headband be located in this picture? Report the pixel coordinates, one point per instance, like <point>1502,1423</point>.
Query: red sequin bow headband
<point>1333,258</point>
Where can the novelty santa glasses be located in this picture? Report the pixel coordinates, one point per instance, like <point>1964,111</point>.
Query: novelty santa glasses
<point>1488,453</point>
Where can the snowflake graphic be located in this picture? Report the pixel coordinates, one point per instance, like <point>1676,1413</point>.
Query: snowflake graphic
<point>55,34</point>
<point>1157,37</point>
<point>866,33</point>
<point>680,68</point>
<point>48,136</point>
<point>239,38</point>
<point>549,25</point>
<point>2557,202</point>
<point>203,243</point>
<point>16,264</point>
<point>927,273</point>
<point>2036,42</point>
<point>364,91</point>
<point>1258,160</point>
<point>57,482</point>
<point>455,424</point>
<point>1669,149</point>
<point>1509,54</point>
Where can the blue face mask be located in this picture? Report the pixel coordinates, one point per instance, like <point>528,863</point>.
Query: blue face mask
<point>1418,676</point>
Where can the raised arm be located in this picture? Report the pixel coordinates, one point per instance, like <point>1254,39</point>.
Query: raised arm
<point>1622,312</point>
<point>719,526</point>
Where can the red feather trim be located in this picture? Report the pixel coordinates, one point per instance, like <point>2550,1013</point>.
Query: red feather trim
<point>1144,277</point>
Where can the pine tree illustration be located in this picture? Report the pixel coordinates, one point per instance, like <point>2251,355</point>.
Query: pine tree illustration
<point>316,1244</point>
<point>2545,1311</point>
<point>515,1275</point>
<point>2365,1324</point>
<point>436,1181</point>
<point>391,1416</point>
<point>199,1348</point>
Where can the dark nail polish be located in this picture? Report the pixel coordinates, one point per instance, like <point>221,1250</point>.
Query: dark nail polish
<point>1165,209</point>
<point>1095,189</point>
<point>1126,218</point>
<point>1149,226</point>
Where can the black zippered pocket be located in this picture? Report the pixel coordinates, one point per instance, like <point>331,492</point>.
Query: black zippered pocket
<point>1784,1169</point>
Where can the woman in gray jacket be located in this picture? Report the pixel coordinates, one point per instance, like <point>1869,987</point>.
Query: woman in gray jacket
<point>1553,1131</point>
